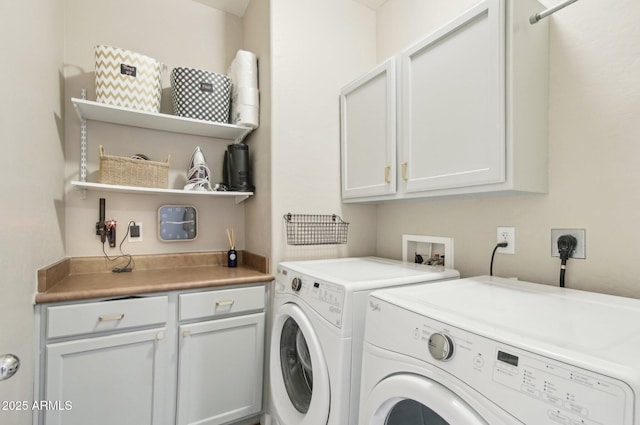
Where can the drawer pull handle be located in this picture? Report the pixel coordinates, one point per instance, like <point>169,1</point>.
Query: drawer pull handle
<point>112,317</point>
<point>225,303</point>
<point>186,333</point>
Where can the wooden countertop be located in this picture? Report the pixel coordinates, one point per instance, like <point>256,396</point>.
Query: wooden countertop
<point>82,278</point>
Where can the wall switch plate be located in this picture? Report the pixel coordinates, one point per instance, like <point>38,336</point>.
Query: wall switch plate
<point>133,232</point>
<point>581,246</point>
<point>506,234</point>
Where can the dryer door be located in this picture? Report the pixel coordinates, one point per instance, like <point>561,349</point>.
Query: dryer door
<point>298,371</point>
<point>407,399</point>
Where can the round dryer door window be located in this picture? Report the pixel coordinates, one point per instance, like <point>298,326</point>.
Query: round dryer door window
<point>411,412</point>
<point>300,387</point>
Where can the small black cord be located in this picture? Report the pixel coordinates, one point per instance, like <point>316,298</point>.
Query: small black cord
<point>563,269</point>
<point>130,264</point>
<point>500,245</point>
<point>566,245</point>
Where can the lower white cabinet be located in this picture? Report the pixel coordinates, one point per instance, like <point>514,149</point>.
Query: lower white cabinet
<point>220,370</point>
<point>193,357</point>
<point>114,379</point>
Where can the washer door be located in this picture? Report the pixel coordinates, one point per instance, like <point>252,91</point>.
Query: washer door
<point>298,372</point>
<point>406,399</point>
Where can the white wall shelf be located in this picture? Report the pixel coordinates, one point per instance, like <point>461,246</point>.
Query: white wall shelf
<point>239,196</point>
<point>95,111</point>
<point>89,110</point>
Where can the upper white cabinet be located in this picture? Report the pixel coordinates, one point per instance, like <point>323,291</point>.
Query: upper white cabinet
<point>452,104</point>
<point>472,107</point>
<point>368,133</point>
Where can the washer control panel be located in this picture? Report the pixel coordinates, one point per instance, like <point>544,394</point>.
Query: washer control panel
<point>533,388</point>
<point>326,298</point>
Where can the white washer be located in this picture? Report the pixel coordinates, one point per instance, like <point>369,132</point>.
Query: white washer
<point>494,351</point>
<point>318,331</point>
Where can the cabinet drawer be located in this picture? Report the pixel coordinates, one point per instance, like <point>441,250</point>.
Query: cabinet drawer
<point>103,316</point>
<point>221,302</point>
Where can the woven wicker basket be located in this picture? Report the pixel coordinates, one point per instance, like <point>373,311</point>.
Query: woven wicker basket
<point>133,172</point>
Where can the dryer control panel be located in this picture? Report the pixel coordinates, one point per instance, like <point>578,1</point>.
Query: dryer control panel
<point>325,298</point>
<point>534,388</point>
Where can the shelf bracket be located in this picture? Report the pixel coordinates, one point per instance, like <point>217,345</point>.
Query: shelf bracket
<point>241,138</point>
<point>241,198</point>
<point>83,149</point>
<point>83,155</point>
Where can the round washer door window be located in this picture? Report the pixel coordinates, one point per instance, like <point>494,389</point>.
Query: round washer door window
<point>297,369</point>
<point>406,399</point>
<point>300,387</point>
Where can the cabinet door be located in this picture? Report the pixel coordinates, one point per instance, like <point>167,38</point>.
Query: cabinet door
<point>220,370</point>
<point>115,379</point>
<point>453,104</point>
<point>368,133</point>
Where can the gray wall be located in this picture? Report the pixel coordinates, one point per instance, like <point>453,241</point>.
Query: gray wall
<point>31,176</point>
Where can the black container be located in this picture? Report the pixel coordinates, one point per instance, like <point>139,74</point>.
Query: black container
<point>232,258</point>
<point>236,173</point>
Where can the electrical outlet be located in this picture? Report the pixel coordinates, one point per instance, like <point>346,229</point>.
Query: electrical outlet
<point>135,229</point>
<point>581,246</point>
<point>508,235</point>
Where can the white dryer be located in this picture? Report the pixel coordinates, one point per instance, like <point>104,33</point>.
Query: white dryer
<point>318,331</point>
<point>492,351</point>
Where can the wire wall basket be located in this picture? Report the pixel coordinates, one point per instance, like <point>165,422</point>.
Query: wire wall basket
<point>315,229</point>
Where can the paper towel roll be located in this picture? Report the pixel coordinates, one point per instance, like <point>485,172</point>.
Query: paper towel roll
<point>244,107</point>
<point>245,99</point>
<point>244,69</point>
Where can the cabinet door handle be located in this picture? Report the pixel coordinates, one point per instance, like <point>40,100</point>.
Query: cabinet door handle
<point>112,317</point>
<point>224,303</point>
<point>387,169</point>
<point>403,166</point>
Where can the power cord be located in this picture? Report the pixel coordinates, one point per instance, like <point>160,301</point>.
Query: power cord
<point>500,245</point>
<point>566,246</point>
<point>130,264</point>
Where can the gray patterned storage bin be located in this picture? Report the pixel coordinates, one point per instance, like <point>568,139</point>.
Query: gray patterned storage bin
<point>200,94</point>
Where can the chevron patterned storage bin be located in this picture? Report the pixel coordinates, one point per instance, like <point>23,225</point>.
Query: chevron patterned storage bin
<point>200,94</point>
<point>128,79</point>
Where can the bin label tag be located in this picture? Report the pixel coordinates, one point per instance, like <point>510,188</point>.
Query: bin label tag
<point>127,70</point>
<point>208,87</point>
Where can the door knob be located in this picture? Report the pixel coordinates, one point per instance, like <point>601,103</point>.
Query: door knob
<point>9,365</point>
